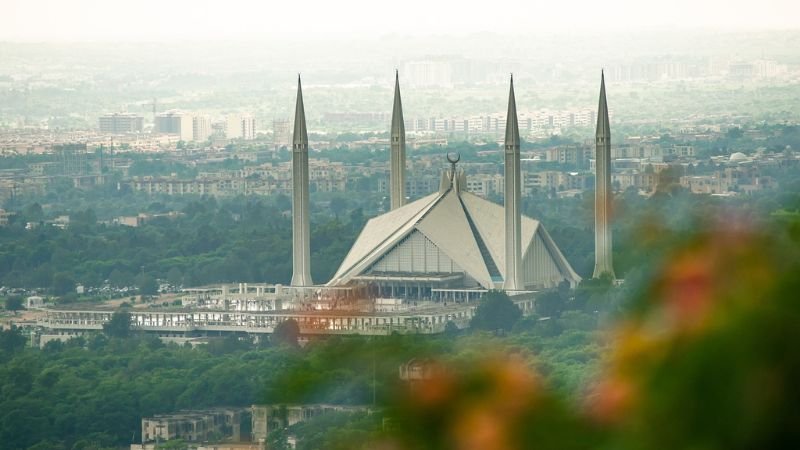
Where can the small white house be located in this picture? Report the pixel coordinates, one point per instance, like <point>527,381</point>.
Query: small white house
<point>34,302</point>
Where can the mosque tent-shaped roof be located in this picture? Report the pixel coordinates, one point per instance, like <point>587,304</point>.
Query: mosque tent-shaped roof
<point>452,232</point>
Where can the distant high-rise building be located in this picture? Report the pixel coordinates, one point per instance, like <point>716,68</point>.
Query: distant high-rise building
<point>201,128</point>
<point>175,122</point>
<point>281,135</point>
<point>73,158</point>
<point>241,126</point>
<point>248,127</point>
<point>428,73</point>
<point>218,128</point>
<point>119,123</point>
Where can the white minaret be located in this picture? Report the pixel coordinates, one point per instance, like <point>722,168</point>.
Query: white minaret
<point>513,196</point>
<point>301,241</point>
<point>602,192</point>
<point>397,173</point>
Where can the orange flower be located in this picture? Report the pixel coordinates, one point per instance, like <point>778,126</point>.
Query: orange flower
<point>434,391</point>
<point>480,429</point>
<point>688,289</point>
<point>610,399</point>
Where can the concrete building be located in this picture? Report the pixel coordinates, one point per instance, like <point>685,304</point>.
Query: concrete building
<point>429,73</point>
<point>120,123</point>
<point>630,178</point>
<point>201,128</point>
<point>485,185</point>
<point>73,158</point>
<point>268,418</point>
<point>731,180</point>
<point>175,123</point>
<point>552,180</point>
<point>194,426</point>
<point>258,315</point>
<point>4,217</point>
<point>417,370</point>
<point>569,154</point>
<point>34,302</point>
<point>281,135</point>
<point>241,126</point>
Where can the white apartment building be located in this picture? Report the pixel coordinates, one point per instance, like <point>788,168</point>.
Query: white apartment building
<point>201,128</point>
<point>240,126</point>
<point>175,122</point>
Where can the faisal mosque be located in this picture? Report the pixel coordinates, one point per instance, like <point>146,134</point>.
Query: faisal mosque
<point>415,269</point>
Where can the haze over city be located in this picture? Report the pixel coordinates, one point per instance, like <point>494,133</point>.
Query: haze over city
<point>150,20</point>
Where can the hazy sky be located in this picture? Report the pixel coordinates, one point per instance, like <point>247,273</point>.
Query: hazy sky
<point>61,20</point>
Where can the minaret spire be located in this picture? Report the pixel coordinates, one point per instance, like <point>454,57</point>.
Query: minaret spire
<point>301,242</point>
<point>513,275</point>
<point>603,263</point>
<point>397,171</point>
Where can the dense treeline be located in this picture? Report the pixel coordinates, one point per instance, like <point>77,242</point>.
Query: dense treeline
<point>93,391</point>
<point>96,390</point>
<point>249,240</point>
<point>246,241</point>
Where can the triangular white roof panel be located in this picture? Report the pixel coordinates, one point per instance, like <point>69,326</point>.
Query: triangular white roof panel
<point>489,219</point>
<point>448,228</point>
<point>384,229</point>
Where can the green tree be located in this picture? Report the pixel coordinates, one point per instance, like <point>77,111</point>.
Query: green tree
<point>48,444</point>
<point>119,325</point>
<point>287,333</point>
<point>11,341</point>
<point>496,311</point>
<point>338,206</point>
<point>175,277</point>
<point>734,133</point>
<point>33,213</point>
<point>175,444</point>
<point>451,329</point>
<point>147,285</point>
<point>63,283</point>
<point>549,304</point>
<point>14,303</point>
<point>120,278</point>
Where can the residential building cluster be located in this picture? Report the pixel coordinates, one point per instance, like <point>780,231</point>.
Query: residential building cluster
<point>530,122</point>
<point>120,123</point>
<point>660,69</point>
<point>181,124</point>
<point>225,428</point>
<point>89,159</point>
<point>218,424</point>
<point>263,179</point>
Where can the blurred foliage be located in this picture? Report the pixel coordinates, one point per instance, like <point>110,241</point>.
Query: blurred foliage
<point>704,357</point>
